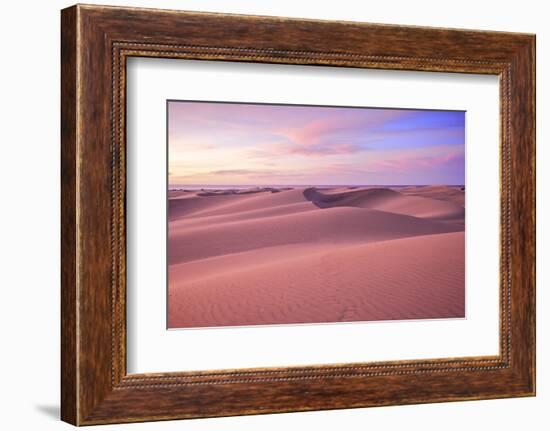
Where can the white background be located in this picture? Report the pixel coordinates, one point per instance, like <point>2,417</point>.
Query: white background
<point>151,348</point>
<point>29,228</point>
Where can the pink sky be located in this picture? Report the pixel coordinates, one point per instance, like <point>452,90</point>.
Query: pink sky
<point>259,144</point>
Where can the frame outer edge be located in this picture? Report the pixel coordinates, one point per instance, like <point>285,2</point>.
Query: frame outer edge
<point>69,300</point>
<point>532,79</point>
<point>523,221</point>
<point>533,54</point>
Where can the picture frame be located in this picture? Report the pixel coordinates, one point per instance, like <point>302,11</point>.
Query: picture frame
<point>96,42</point>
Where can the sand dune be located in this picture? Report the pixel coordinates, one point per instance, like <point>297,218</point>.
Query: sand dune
<point>314,255</point>
<point>419,205</point>
<point>445,193</point>
<point>334,225</point>
<point>228,202</point>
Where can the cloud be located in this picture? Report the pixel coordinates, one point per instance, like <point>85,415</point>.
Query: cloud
<point>326,149</point>
<point>239,172</point>
<point>425,162</point>
<point>256,173</point>
<point>340,131</point>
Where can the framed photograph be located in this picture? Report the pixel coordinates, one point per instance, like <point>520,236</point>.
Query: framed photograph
<point>262,214</point>
<point>313,194</point>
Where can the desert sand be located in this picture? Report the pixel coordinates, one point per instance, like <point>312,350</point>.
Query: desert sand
<point>309,255</point>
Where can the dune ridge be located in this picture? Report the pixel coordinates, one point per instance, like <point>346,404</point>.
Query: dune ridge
<point>417,205</point>
<point>309,254</point>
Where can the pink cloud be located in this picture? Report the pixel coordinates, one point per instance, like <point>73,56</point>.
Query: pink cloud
<point>410,163</point>
<point>328,135</point>
<point>325,149</point>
